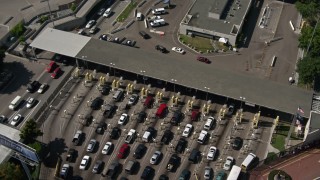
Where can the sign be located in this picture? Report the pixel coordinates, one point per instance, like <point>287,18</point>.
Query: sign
<point>21,149</point>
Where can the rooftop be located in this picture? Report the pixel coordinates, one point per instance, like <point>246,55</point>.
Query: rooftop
<point>10,133</point>
<point>314,120</point>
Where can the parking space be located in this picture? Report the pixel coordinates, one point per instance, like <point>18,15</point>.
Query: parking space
<point>70,116</point>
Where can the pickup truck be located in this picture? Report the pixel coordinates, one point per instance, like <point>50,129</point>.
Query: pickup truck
<point>77,138</point>
<point>130,137</point>
<point>112,170</point>
<point>174,160</point>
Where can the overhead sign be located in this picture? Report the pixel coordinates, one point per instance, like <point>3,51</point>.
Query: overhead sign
<point>23,150</point>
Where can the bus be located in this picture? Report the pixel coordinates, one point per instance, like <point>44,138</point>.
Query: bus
<point>247,162</point>
<point>234,173</point>
<point>15,103</point>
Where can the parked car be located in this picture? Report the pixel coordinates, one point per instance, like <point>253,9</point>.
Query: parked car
<point>161,48</point>
<point>147,173</point>
<point>211,153</point>
<point>130,43</point>
<point>96,103</point>
<point>187,130</point>
<point>102,126</point>
<point>115,133</point>
<point>93,30</point>
<point>33,86</point>
<point>237,143</point>
<point>167,136</point>
<point>3,119</point>
<point>203,59</point>
<point>30,102</point>
<point>141,116</point>
<point>103,37</point>
<point>101,11</point>
<point>230,111</point>
<point>16,120</point>
<point>84,162</point>
<point>182,143</point>
<point>98,166</point>
<point>91,145</point>
<point>56,73</point>
<point>133,99</point>
<point>43,88</point>
<point>90,24</point>
<point>64,171</point>
<point>107,147</point>
<point>144,35</point>
<point>52,66</point>
<point>185,175</point>
<point>123,119</point>
<point>123,151</point>
<point>178,50</point>
<point>208,172</point>
<point>107,13</point>
<point>221,175</point>
<point>140,151</point>
<point>228,164</point>
<point>155,157</point>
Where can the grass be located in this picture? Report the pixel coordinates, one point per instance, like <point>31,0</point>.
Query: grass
<point>199,43</point>
<point>35,172</point>
<point>124,15</point>
<point>278,142</point>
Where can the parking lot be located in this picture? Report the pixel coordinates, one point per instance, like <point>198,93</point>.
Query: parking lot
<point>69,116</point>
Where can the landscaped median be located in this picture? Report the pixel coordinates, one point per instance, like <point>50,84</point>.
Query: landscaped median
<point>199,44</point>
<point>126,12</point>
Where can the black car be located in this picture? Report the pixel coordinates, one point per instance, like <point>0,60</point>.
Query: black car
<point>115,133</point>
<point>161,48</point>
<point>140,151</point>
<point>141,116</point>
<point>237,143</point>
<point>98,167</point>
<point>230,109</point>
<point>176,118</point>
<point>88,119</point>
<point>166,137</point>
<point>102,126</point>
<point>33,86</point>
<point>71,155</point>
<point>163,177</point>
<point>103,37</point>
<point>105,90</point>
<point>185,175</point>
<point>130,43</point>
<point>3,119</point>
<point>147,173</point>
<point>182,143</point>
<point>144,35</point>
<point>96,103</point>
<point>109,110</point>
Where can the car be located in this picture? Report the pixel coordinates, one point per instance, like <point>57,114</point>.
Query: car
<point>116,40</point>
<point>30,102</point>
<point>221,175</point>
<point>230,111</point>
<point>64,171</point>
<point>154,18</point>
<point>123,151</point>
<point>101,11</point>
<point>15,121</point>
<point>56,73</point>
<point>211,153</point>
<point>161,48</point>
<point>237,143</point>
<point>109,110</point>
<point>107,13</point>
<point>91,145</point>
<point>93,30</point>
<point>167,136</point>
<point>84,162</point>
<point>173,162</point>
<point>141,116</point>
<point>82,32</point>
<point>148,134</point>
<point>3,119</point>
<point>228,164</point>
<point>130,43</point>
<point>71,155</point>
<point>185,175</point>
<point>147,172</point>
<point>103,37</point>
<point>187,130</point>
<point>98,166</point>
<point>105,90</point>
<point>115,133</point>
<point>107,147</point>
<point>96,103</point>
<point>144,35</point>
<point>123,119</point>
<point>182,143</point>
<point>52,66</point>
<point>140,151</point>
<point>155,157</point>
<point>102,126</point>
<point>90,24</point>
<point>178,50</point>
<point>163,177</point>
<point>176,118</point>
<point>33,86</point>
<point>208,172</point>
<point>203,59</point>
<point>43,88</point>
<point>133,99</point>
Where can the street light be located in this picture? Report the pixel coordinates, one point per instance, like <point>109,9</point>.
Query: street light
<point>114,70</point>
<point>242,99</point>
<point>142,71</point>
<point>207,90</point>
<point>174,84</point>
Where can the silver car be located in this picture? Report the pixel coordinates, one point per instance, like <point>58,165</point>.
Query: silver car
<point>155,157</point>
<point>228,164</point>
<point>207,172</point>
<point>91,145</point>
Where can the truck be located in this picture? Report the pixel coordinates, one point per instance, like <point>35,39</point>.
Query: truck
<point>77,138</point>
<point>71,155</point>
<point>130,137</point>
<point>172,162</point>
<point>112,170</point>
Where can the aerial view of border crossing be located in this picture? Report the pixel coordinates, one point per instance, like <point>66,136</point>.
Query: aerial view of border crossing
<point>160,89</point>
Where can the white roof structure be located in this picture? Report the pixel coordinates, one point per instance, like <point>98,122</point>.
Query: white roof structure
<point>10,133</point>
<point>60,42</point>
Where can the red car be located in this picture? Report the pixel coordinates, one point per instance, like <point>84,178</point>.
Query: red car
<point>56,73</point>
<point>52,66</point>
<point>203,59</point>
<point>123,151</point>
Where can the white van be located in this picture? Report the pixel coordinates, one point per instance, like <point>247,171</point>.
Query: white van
<point>202,137</point>
<point>158,11</point>
<point>157,23</point>
<point>248,162</point>
<point>15,103</point>
<point>139,16</point>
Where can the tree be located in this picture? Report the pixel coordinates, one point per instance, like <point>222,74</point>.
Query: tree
<point>306,38</point>
<point>18,29</point>
<point>73,7</point>
<point>308,68</point>
<point>308,9</point>
<point>30,132</point>
<point>11,171</point>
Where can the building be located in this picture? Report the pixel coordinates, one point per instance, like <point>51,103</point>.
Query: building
<point>312,129</point>
<point>216,19</point>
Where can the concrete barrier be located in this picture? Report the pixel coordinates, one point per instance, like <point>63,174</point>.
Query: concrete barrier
<point>117,30</point>
<point>141,3</point>
<point>291,25</point>
<point>129,24</point>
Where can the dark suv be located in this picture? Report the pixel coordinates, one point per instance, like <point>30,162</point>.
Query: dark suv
<point>167,137</point>
<point>115,133</point>
<point>96,103</point>
<point>161,48</point>
<point>176,118</point>
<point>237,143</point>
<point>32,87</point>
<point>141,116</point>
<point>144,35</point>
<point>109,110</point>
<point>102,126</point>
<point>147,173</point>
<point>140,151</point>
<point>182,143</point>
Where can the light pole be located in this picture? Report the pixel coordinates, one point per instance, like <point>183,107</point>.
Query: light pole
<point>142,71</point>
<point>242,99</point>
<point>207,90</point>
<point>50,13</point>
<point>114,70</point>
<point>174,84</point>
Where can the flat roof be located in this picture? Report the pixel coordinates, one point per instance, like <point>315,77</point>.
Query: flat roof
<point>10,133</point>
<point>61,42</point>
<point>270,94</point>
<point>314,120</point>
<point>232,14</point>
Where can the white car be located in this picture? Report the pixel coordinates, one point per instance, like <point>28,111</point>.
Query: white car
<point>123,119</point>
<point>155,157</point>
<point>16,120</point>
<point>178,50</point>
<point>155,17</point>
<point>84,162</point>
<point>91,145</point>
<point>187,130</point>
<point>107,13</point>
<point>133,99</point>
<point>228,164</point>
<point>211,153</point>
<point>106,148</point>
<point>90,24</point>
<point>42,88</point>
<point>30,102</point>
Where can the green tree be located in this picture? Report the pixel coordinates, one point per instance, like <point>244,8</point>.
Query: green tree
<point>306,38</point>
<point>11,171</point>
<point>30,131</point>
<point>18,29</point>
<point>73,7</point>
<point>308,68</point>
